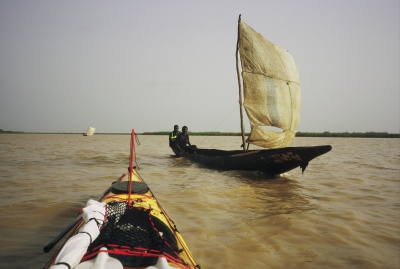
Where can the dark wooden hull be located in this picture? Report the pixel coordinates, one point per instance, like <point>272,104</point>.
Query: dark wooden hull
<point>271,161</point>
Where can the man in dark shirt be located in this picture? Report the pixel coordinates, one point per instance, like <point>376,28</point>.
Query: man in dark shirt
<point>184,142</point>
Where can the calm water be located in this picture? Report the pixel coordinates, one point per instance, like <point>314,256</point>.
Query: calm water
<point>344,212</point>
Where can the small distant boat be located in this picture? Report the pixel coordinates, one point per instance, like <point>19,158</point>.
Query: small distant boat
<point>126,227</point>
<point>269,86</point>
<point>90,131</point>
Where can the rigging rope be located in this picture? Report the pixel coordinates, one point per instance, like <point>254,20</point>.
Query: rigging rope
<point>230,113</point>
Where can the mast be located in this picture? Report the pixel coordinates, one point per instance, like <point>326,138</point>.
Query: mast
<point>240,87</point>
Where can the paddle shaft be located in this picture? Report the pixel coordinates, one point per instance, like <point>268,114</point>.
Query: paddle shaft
<point>72,224</point>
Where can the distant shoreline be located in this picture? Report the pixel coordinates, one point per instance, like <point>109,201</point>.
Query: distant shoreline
<point>298,134</point>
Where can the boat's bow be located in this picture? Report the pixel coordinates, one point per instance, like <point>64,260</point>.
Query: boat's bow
<point>126,228</point>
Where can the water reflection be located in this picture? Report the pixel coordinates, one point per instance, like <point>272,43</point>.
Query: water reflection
<point>275,196</point>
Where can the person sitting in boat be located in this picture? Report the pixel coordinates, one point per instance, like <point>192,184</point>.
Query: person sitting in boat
<point>172,137</point>
<point>184,142</point>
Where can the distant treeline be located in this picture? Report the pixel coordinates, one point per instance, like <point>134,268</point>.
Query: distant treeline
<point>347,134</point>
<point>299,134</point>
<point>9,132</point>
<point>197,133</point>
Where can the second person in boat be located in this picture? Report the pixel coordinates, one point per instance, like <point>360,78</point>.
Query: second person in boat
<point>184,142</point>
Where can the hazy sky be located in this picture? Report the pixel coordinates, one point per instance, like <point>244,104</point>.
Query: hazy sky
<point>147,65</point>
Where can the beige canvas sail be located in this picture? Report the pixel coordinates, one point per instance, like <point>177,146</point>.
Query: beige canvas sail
<point>271,90</point>
<point>90,131</point>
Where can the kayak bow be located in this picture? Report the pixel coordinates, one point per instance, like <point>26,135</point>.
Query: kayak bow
<point>125,228</point>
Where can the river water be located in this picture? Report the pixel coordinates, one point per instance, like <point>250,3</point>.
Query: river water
<point>343,212</point>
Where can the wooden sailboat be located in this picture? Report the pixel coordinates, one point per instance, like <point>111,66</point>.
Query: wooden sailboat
<point>269,91</point>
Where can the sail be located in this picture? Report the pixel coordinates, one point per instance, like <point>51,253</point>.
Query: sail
<point>271,90</point>
<point>90,131</point>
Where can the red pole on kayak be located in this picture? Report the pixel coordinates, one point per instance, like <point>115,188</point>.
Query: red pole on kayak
<point>131,165</point>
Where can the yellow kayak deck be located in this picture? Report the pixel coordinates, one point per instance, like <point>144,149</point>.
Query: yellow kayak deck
<point>136,231</point>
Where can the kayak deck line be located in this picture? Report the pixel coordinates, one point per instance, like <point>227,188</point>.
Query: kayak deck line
<point>126,228</point>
